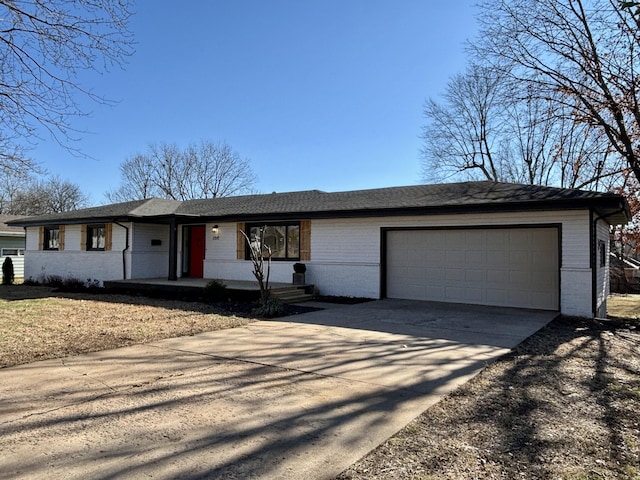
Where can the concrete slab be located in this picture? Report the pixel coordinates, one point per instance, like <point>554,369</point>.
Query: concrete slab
<point>303,397</point>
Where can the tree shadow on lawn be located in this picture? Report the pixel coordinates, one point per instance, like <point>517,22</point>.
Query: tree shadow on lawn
<point>563,404</point>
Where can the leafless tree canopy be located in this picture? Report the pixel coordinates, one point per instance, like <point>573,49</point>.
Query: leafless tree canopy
<point>490,126</point>
<point>27,195</point>
<point>44,44</point>
<point>203,170</point>
<point>582,55</point>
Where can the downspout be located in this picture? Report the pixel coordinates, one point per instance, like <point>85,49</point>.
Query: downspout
<point>124,250</point>
<point>594,256</point>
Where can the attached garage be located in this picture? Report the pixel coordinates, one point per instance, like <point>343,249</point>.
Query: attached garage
<point>510,266</point>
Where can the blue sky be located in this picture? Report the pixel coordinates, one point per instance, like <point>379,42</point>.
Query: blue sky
<point>317,94</point>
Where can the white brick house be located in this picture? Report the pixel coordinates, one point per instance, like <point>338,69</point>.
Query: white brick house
<point>476,242</point>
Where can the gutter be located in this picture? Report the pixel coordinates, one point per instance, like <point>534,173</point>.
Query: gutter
<point>594,255</point>
<point>124,250</point>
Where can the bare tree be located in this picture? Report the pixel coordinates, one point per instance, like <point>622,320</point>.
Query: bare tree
<point>137,175</point>
<point>493,127</point>
<point>260,254</point>
<point>583,54</point>
<point>44,44</point>
<point>462,132</point>
<point>32,196</point>
<point>203,170</point>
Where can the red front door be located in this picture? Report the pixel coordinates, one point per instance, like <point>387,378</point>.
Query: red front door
<point>196,253</point>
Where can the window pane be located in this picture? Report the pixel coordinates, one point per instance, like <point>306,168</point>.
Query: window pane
<point>51,237</point>
<point>254,238</point>
<point>282,240</point>
<point>275,238</point>
<point>293,241</point>
<point>95,237</point>
<point>9,252</point>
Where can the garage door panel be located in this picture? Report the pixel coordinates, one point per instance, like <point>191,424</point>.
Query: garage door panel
<point>475,275</point>
<point>507,267</point>
<point>455,273</point>
<point>519,279</point>
<point>453,293</point>
<point>476,257</point>
<point>496,296</point>
<point>475,295</point>
<point>434,292</point>
<point>434,274</point>
<point>497,277</point>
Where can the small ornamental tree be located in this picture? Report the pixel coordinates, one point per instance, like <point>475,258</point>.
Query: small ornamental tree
<point>7,271</point>
<point>259,251</point>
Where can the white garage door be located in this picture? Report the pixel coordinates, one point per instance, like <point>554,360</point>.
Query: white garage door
<point>512,267</point>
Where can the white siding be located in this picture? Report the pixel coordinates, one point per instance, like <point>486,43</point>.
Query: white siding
<point>18,264</point>
<point>9,243</point>
<point>602,273</point>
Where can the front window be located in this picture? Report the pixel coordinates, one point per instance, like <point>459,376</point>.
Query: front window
<point>282,239</point>
<point>96,237</point>
<point>12,252</point>
<point>51,240</point>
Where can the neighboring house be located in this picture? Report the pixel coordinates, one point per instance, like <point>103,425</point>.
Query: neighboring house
<point>476,243</point>
<point>12,244</point>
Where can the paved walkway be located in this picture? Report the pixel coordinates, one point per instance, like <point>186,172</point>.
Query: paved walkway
<point>300,398</point>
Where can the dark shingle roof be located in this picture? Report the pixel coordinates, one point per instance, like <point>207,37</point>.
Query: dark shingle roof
<point>151,207</point>
<point>438,198</point>
<point>432,199</point>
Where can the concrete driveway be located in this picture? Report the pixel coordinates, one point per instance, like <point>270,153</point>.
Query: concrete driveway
<point>303,397</point>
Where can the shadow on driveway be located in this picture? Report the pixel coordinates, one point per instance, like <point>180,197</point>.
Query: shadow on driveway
<point>299,398</point>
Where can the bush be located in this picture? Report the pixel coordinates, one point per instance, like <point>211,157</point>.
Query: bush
<point>72,285</point>
<point>55,281</point>
<point>269,309</point>
<point>215,291</point>
<point>7,271</point>
<point>69,284</point>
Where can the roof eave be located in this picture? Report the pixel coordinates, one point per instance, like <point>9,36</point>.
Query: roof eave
<point>607,205</point>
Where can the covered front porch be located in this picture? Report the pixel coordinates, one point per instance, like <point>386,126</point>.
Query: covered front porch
<point>194,287</point>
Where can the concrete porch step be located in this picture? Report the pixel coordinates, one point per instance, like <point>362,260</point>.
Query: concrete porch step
<point>291,295</point>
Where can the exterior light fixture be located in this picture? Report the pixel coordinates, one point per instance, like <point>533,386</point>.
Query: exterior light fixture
<point>215,230</point>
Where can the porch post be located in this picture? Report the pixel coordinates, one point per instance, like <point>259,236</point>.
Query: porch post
<point>173,249</point>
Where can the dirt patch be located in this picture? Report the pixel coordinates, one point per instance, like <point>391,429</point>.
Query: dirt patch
<point>563,405</point>
<point>37,323</point>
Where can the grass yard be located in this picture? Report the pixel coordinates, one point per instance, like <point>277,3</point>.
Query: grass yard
<point>37,323</point>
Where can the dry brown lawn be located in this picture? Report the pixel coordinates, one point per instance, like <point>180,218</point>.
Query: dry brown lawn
<point>37,323</point>
<point>565,405</point>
